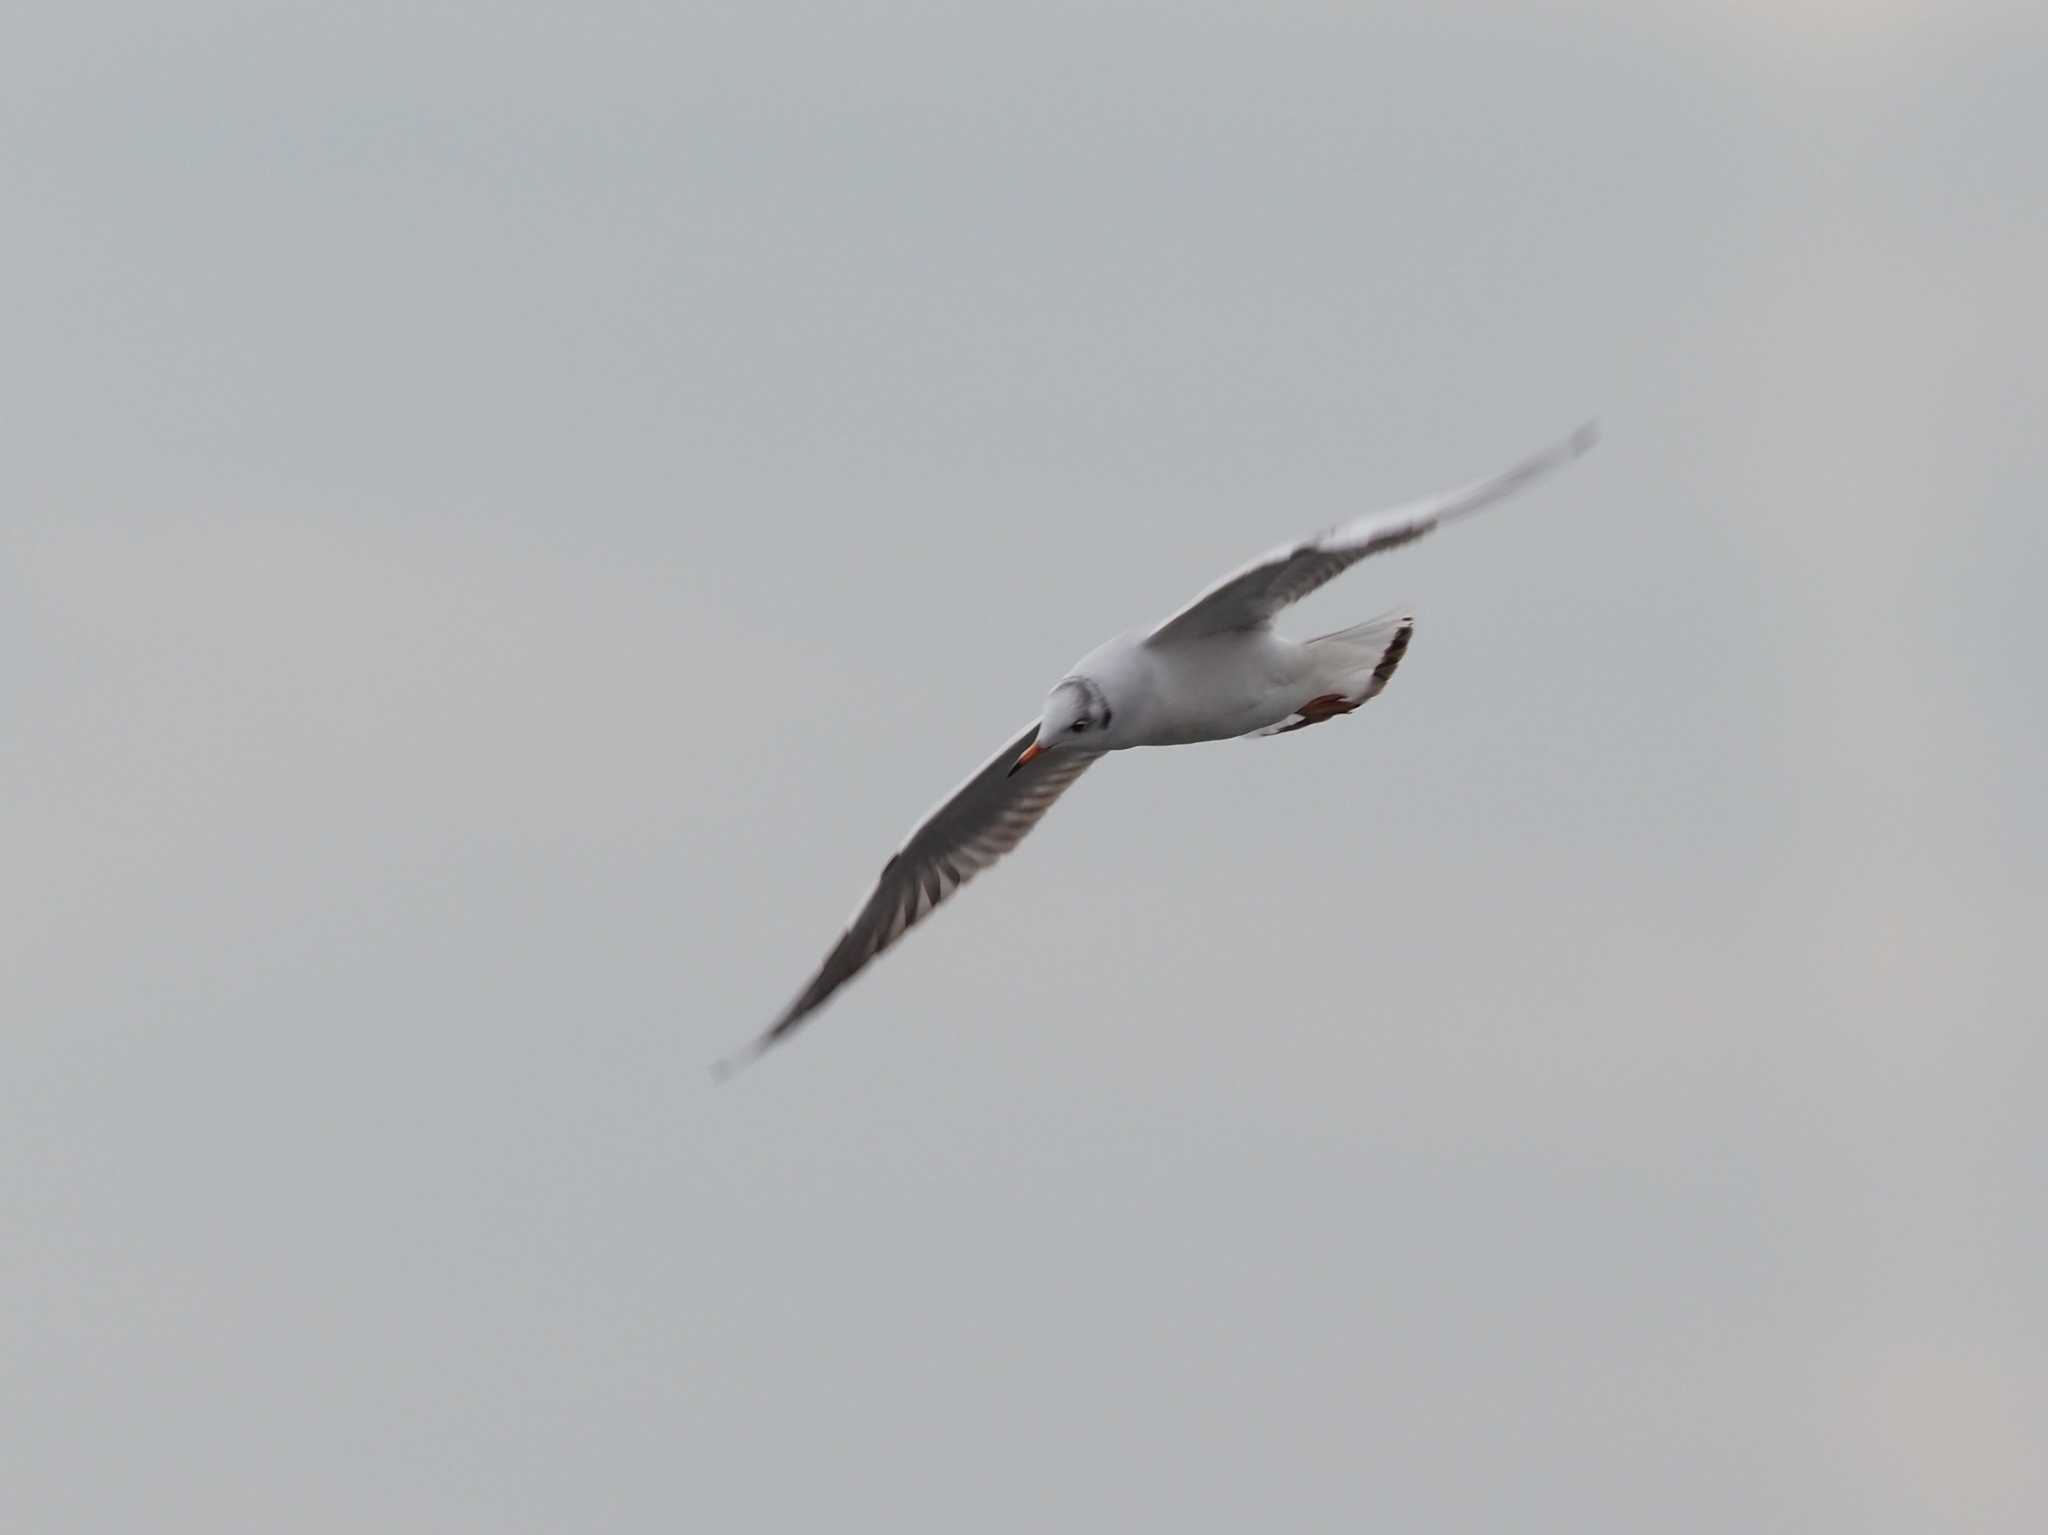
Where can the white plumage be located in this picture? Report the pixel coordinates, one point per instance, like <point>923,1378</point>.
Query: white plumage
<point>1214,670</point>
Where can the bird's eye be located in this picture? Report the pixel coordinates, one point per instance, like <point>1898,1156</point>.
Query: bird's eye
<point>1079,727</point>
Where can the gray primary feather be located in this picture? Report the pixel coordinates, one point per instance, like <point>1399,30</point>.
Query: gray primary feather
<point>1253,594</point>
<point>985,818</point>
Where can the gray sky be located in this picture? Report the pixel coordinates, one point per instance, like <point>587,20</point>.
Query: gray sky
<point>512,510</point>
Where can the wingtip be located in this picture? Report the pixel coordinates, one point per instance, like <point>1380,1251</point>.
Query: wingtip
<point>726,1067</point>
<point>1584,439</point>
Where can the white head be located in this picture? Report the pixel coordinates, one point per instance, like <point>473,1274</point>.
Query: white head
<point>1077,713</point>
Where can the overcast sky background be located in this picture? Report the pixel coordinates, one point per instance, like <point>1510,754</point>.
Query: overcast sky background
<point>512,510</point>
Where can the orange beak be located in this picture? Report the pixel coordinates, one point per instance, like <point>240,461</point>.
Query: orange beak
<point>1033,750</point>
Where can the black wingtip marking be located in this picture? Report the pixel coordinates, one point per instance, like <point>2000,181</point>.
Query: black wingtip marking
<point>1395,650</point>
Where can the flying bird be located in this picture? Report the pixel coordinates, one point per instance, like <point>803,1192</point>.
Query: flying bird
<point>1214,671</point>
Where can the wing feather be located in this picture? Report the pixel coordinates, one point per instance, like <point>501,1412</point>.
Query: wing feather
<point>982,820</point>
<point>1250,596</point>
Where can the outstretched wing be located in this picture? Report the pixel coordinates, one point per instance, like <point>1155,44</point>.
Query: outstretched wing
<point>1249,597</point>
<point>986,817</point>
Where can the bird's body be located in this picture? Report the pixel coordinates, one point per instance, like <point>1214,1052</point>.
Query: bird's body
<point>1209,688</point>
<point>1213,671</point>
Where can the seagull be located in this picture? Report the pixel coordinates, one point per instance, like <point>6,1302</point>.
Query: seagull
<point>1216,670</point>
